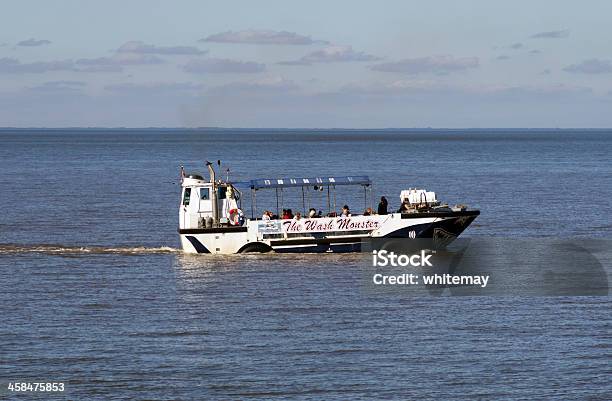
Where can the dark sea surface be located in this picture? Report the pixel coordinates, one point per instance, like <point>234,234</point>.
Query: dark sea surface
<point>95,293</point>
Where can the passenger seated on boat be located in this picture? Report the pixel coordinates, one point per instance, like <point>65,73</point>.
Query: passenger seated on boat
<point>320,214</point>
<point>382,206</point>
<point>332,214</point>
<point>368,212</point>
<point>298,216</point>
<point>345,211</point>
<point>287,214</point>
<point>266,215</point>
<point>312,213</point>
<point>404,207</point>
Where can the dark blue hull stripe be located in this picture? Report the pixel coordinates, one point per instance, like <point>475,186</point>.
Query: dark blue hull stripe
<point>197,244</point>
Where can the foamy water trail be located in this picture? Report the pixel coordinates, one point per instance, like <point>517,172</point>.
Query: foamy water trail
<point>55,249</point>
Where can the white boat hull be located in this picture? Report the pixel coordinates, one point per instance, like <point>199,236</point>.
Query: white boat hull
<point>329,234</point>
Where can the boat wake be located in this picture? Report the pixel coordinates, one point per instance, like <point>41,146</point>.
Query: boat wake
<point>54,249</point>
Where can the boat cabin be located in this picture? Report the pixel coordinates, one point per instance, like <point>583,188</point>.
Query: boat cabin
<point>207,204</point>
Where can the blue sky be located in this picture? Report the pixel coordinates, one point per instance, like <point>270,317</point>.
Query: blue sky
<point>308,64</point>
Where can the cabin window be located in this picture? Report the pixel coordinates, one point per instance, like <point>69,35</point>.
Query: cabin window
<point>204,193</point>
<point>222,192</point>
<point>186,196</point>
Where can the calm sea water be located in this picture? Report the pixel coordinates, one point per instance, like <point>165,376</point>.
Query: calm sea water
<point>94,293</point>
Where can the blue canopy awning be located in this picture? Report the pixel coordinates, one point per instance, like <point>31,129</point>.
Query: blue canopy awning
<point>263,183</point>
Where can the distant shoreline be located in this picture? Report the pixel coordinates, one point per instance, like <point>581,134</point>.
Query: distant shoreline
<point>242,129</point>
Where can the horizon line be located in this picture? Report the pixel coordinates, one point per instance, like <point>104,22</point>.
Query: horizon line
<point>315,129</point>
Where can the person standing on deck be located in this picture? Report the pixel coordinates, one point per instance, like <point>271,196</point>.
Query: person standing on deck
<point>382,206</point>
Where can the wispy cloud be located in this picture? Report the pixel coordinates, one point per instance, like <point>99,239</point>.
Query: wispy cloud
<point>394,88</point>
<point>516,46</point>
<point>269,85</point>
<point>503,57</point>
<point>434,64</point>
<point>138,47</point>
<point>59,86</point>
<point>591,66</point>
<point>131,53</point>
<point>262,37</point>
<point>116,62</point>
<point>551,34</point>
<point>154,87</point>
<point>332,54</point>
<point>34,42</point>
<point>101,64</point>
<point>407,87</point>
<point>219,66</point>
<point>14,66</point>
<point>530,92</point>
